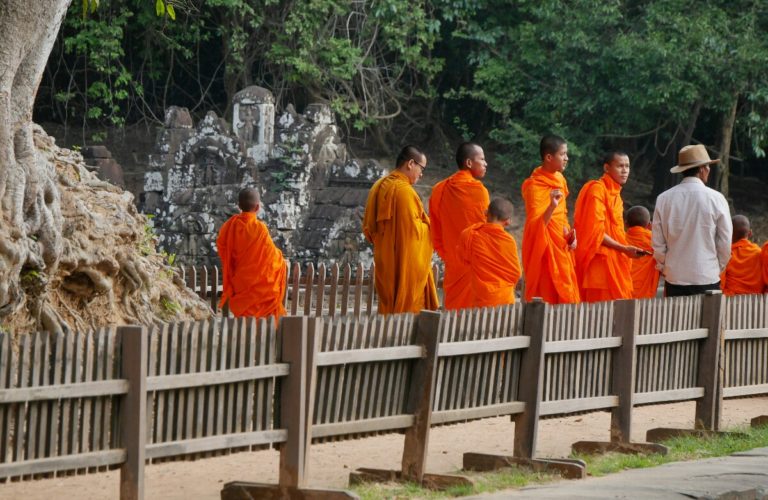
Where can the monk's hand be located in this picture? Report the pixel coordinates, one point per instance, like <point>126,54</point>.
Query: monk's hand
<point>635,252</point>
<point>570,237</point>
<point>555,197</point>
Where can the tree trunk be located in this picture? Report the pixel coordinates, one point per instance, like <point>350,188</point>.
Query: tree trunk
<point>720,179</point>
<point>93,266</point>
<point>663,179</point>
<point>29,199</point>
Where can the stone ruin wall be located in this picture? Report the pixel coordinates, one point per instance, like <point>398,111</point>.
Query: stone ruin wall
<point>313,195</point>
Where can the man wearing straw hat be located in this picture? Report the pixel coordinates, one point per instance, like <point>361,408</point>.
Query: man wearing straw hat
<point>691,228</point>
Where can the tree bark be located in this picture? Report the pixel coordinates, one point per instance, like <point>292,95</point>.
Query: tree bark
<point>29,199</point>
<point>723,170</point>
<point>663,179</point>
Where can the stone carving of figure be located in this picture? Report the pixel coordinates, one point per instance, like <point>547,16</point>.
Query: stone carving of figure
<point>249,122</point>
<point>209,170</point>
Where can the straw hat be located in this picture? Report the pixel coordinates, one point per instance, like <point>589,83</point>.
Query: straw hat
<point>692,156</point>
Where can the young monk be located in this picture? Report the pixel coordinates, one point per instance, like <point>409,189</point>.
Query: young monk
<point>397,226</point>
<point>490,254</point>
<point>603,255</point>
<point>254,271</point>
<point>645,276</point>
<point>744,272</point>
<point>548,240</point>
<point>455,204</point>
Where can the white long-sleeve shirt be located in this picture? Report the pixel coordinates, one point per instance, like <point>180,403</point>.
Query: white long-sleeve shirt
<point>691,233</point>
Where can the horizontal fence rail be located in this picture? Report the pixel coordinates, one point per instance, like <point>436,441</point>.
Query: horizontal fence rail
<point>68,403</point>
<point>323,290</point>
<point>746,346</point>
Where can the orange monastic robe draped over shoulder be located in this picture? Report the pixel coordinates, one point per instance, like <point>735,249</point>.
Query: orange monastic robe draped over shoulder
<point>398,227</point>
<point>548,263</point>
<point>744,273</point>
<point>645,276</point>
<point>490,254</point>
<point>455,204</point>
<point>254,271</point>
<point>765,266</point>
<point>603,273</point>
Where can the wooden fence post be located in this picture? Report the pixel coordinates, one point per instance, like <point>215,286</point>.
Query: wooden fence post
<point>420,397</point>
<point>624,366</point>
<point>531,380</point>
<point>626,324</point>
<point>133,419</point>
<point>293,401</point>
<point>530,389</point>
<point>421,393</point>
<point>709,375</point>
<point>299,347</point>
<point>709,407</point>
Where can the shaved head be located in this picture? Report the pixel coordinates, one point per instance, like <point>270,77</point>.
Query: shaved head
<point>638,216</point>
<point>500,209</point>
<point>550,144</point>
<point>248,199</point>
<point>741,227</point>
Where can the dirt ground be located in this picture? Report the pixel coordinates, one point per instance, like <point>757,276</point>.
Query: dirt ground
<point>331,462</point>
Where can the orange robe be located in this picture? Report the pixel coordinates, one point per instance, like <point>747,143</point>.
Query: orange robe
<point>603,273</point>
<point>645,276</point>
<point>398,227</point>
<point>547,260</point>
<point>490,254</point>
<point>744,273</point>
<point>765,266</point>
<point>254,271</point>
<point>455,204</point>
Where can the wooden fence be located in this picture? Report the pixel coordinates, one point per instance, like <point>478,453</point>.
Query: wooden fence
<point>323,291</point>
<point>120,397</point>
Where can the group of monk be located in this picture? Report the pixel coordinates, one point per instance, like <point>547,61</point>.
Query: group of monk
<point>612,258</point>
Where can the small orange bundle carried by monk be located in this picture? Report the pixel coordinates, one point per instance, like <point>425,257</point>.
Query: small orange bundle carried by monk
<point>253,268</point>
<point>743,274</point>
<point>490,254</point>
<point>645,276</point>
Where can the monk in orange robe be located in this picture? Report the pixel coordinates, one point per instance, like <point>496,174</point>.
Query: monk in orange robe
<point>765,266</point>
<point>744,273</point>
<point>254,271</point>
<point>490,254</point>
<point>645,276</point>
<point>548,240</point>
<point>397,226</point>
<point>456,203</point>
<point>603,255</point>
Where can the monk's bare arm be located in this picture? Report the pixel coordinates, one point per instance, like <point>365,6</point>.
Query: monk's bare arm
<point>555,197</point>
<point>630,250</point>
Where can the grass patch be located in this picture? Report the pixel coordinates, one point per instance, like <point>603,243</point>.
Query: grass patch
<point>484,483</point>
<point>680,449</point>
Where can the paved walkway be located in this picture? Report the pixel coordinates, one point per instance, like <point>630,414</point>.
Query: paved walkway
<point>740,476</point>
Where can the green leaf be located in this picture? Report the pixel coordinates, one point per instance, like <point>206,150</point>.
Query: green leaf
<point>171,12</point>
<point>160,8</point>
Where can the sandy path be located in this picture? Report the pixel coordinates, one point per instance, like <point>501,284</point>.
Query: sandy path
<point>332,462</point>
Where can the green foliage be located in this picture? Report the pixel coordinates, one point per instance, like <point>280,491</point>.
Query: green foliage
<point>170,308</point>
<point>599,72</point>
<point>611,73</point>
<point>483,483</point>
<point>147,242</point>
